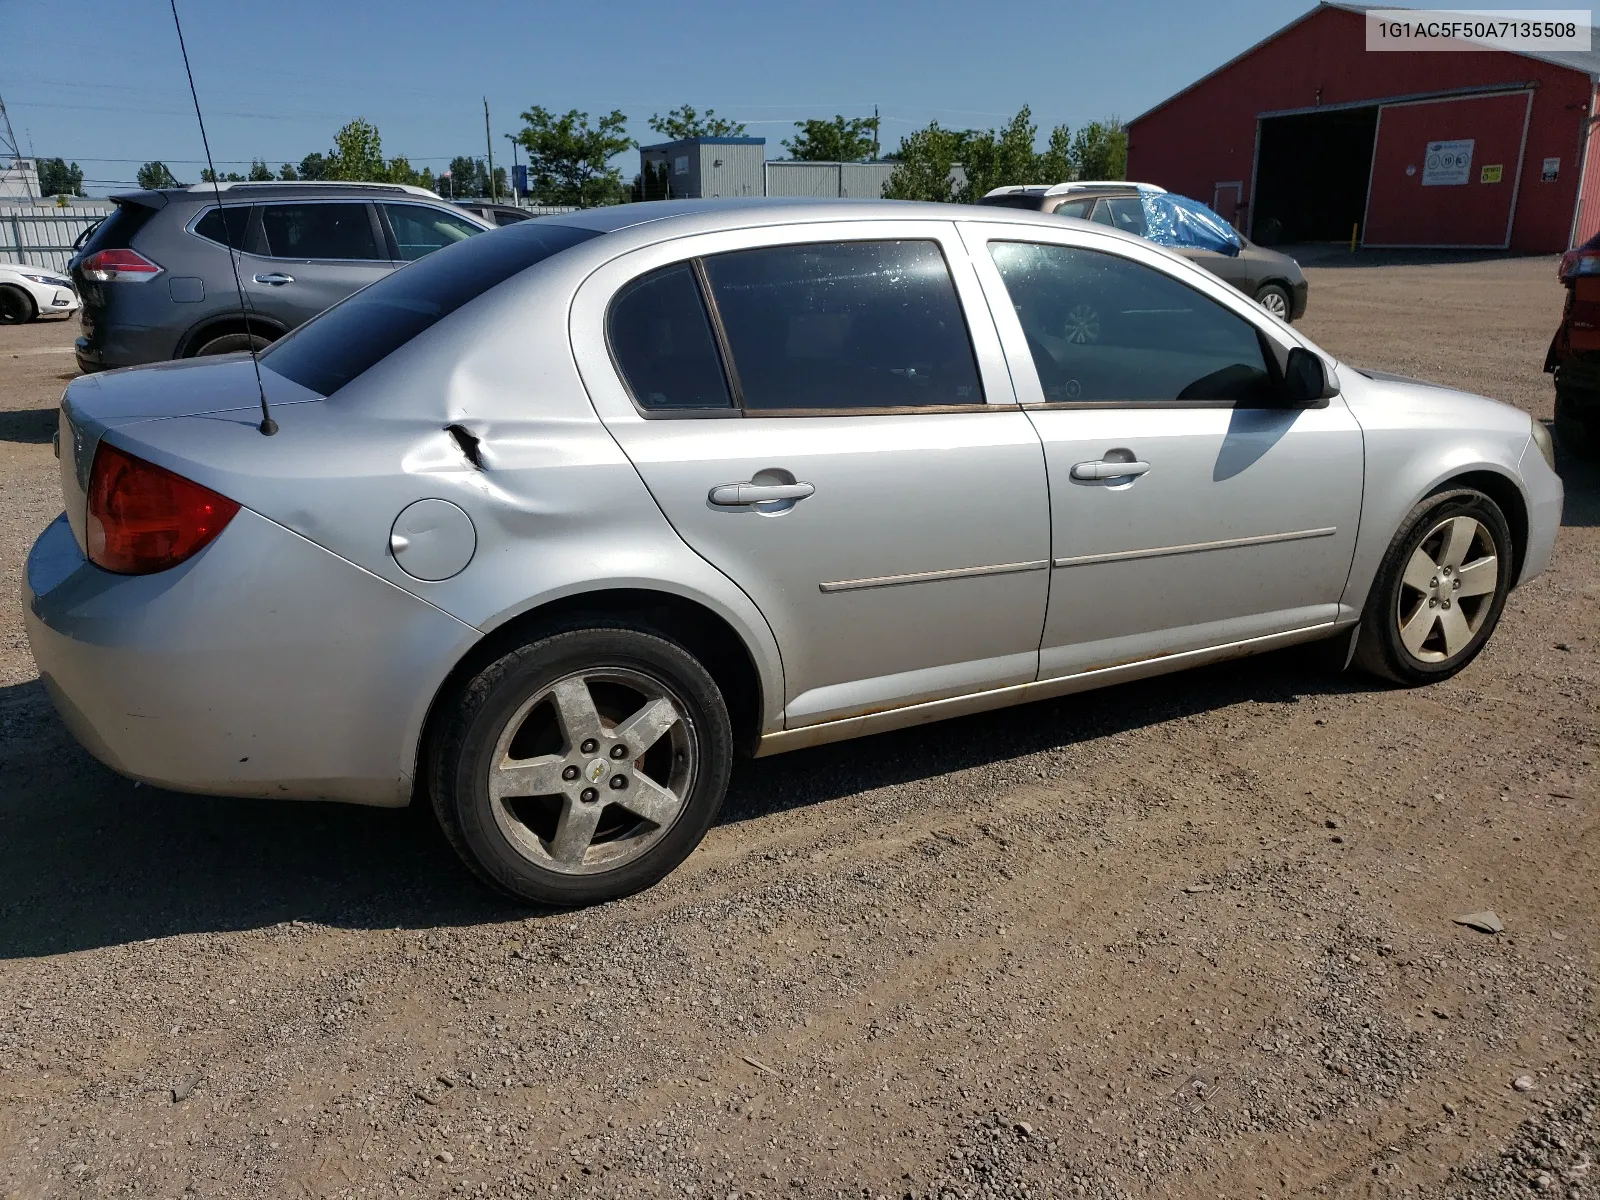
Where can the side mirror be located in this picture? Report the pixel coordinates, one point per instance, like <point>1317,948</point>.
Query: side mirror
<point>1305,381</point>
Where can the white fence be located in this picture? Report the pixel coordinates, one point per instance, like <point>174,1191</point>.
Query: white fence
<point>42,236</point>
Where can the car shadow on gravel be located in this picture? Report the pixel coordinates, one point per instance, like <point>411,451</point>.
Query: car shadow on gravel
<point>89,859</point>
<point>32,426</point>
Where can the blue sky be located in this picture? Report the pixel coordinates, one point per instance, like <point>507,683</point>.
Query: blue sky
<point>97,81</point>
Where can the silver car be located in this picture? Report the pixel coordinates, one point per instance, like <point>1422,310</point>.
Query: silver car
<point>561,520</point>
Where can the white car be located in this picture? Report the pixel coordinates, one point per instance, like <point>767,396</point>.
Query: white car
<point>29,292</point>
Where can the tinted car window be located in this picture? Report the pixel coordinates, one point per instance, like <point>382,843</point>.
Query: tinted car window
<point>662,341</point>
<point>1030,201</point>
<point>1103,328</point>
<point>225,226</point>
<point>844,325</point>
<point>1076,208</point>
<point>330,350</point>
<point>116,232</point>
<point>1121,212</point>
<point>334,230</point>
<point>419,229</point>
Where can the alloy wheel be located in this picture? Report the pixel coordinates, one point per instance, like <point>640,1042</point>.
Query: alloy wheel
<point>1275,304</point>
<point>593,770</point>
<point>1448,589</point>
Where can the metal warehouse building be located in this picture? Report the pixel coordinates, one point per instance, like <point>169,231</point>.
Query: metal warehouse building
<point>704,167</point>
<point>1308,135</point>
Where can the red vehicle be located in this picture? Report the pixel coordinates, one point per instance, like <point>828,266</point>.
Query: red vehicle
<point>1574,357</point>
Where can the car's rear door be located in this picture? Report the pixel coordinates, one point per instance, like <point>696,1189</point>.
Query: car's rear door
<point>314,254</point>
<point>1235,518</point>
<point>823,413</point>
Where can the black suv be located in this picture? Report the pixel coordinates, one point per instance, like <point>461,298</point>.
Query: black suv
<point>156,282</point>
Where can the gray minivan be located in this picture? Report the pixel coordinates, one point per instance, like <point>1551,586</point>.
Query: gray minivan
<point>156,282</point>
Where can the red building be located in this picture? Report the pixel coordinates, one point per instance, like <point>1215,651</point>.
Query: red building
<point>1308,135</point>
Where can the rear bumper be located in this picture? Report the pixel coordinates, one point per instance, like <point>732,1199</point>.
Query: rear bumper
<point>264,666</point>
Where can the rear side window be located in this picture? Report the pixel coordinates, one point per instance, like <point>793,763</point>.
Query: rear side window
<point>1121,212</point>
<point>330,350</point>
<point>1102,328</point>
<point>844,325</point>
<point>661,339</point>
<point>420,230</point>
<point>225,226</point>
<point>329,230</point>
<point>1076,208</point>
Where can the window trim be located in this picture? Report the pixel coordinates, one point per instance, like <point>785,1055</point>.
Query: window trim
<point>730,372</point>
<point>252,226</point>
<point>978,236</point>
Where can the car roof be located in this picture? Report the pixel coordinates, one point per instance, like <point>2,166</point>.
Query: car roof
<point>251,191</point>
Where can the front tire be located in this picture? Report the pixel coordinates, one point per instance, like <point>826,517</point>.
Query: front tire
<point>1275,300</point>
<point>16,306</point>
<point>1440,590</point>
<point>582,767</point>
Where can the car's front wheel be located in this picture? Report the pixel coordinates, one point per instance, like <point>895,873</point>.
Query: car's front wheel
<point>1275,300</point>
<point>1440,590</point>
<point>16,306</point>
<point>583,766</point>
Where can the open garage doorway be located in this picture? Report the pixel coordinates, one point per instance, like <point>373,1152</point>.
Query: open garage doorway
<point>1311,175</point>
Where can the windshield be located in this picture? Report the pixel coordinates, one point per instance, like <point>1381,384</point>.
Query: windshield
<point>332,349</point>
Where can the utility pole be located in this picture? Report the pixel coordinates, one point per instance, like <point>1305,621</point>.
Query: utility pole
<point>874,133</point>
<point>494,193</point>
<point>512,138</point>
<point>8,144</point>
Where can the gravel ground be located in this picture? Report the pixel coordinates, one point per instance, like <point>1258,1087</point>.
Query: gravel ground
<point>1186,937</point>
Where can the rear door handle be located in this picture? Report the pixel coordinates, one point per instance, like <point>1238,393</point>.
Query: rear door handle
<point>1106,469</point>
<point>276,279</point>
<point>738,495</point>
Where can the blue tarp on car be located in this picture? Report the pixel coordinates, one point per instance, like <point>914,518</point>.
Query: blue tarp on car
<point>1171,220</point>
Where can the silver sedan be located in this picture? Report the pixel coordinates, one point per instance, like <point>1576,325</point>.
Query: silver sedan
<point>559,521</point>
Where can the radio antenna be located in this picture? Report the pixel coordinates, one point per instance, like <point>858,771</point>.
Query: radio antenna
<point>268,426</point>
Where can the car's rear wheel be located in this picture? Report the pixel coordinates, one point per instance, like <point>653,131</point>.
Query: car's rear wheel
<point>1440,590</point>
<point>1577,425</point>
<point>232,343</point>
<point>16,306</point>
<point>1275,300</point>
<point>583,766</point>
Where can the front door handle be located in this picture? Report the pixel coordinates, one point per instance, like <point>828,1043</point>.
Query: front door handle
<point>1107,469</point>
<point>276,279</point>
<point>738,495</point>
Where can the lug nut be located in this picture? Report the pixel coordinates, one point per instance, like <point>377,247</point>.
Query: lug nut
<point>619,751</point>
<point>1455,583</point>
<point>589,746</point>
<point>618,782</point>
<point>1433,601</point>
<point>569,773</point>
<point>1447,604</point>
<point>589,795</point>
<point>1434,582</point>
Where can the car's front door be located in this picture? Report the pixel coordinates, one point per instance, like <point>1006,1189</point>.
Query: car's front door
<point>815,417</point>
<point>1190,507</point>
<point>315,253</point>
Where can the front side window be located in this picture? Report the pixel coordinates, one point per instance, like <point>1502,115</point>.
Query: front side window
<point>1103,328</point>
<point>420,230</point>
<point>844,325</point>
<point>661,338</point>
<point>328,230</point>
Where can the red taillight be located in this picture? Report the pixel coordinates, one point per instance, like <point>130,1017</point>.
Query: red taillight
<point>143,518</point>
<point>118,266</point>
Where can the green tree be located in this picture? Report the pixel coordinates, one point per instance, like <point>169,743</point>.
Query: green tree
<point>400,170</point>
<point>838,140</point>
<point>207,175</point>
<point>357,153</point>
<point>653,182</point>
<point>315,166</point>
<point>683,122</point>
<point>259,171</point>
<point>287,173</point>
<point>156,175</point>
<point>924,162</point>
<point>569,161</point>
<point>56,178</point>
<point>467,178</point>
<point>1100,150</point>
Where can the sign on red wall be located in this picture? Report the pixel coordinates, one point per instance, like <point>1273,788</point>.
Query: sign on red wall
<point>1444,172</point>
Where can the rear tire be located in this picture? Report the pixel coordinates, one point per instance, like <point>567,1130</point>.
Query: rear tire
<point>1275,300</point>
<point>1577,432</point>
<point>582,767</point>
<point>1440,590</point>
<point>232,343</point>
<point>16,306</point>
